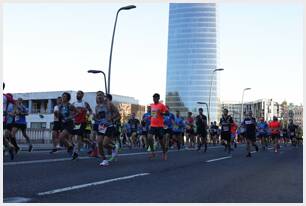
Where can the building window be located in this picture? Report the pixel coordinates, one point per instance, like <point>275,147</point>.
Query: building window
<point>38,125</point>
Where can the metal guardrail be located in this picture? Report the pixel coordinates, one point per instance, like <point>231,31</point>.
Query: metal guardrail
<point>37,136</point>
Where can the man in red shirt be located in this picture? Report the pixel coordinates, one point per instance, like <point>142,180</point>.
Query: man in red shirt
<point>157,125</point>
<point>275,132</point>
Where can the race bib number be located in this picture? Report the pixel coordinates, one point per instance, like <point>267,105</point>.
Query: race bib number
<point>102,129</point>
<point>154,114</point>
<point>77,126</point>
<point>292,133</point>
<point>225,128</point>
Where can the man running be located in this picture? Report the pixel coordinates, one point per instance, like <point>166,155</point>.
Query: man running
<point>190,134</point>
<point>57,126</point>
<point>81,108</point>
<point>169,119</point>
<point>146,119</point>
<point>225,123</point>
<point>250,126</point>
<point>157,126</point>
<point>134,124</point>
<point>178,130</point>
<point>20,113</point>
<point>275,127</point>
<point>214,132</point>
<point>262,129</point>
<point>292,130</point>
<point>201,122</point>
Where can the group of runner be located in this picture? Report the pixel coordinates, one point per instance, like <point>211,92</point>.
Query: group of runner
<point>76,124</point>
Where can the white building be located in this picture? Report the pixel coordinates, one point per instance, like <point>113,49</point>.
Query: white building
<point>41,104</point>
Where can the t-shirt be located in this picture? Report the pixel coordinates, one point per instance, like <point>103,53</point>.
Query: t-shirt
<point>157,111</point>
<point>134,123</point>
<point>262,128</point>
<point>292,130</point>
<point>56,109</point>
<point>65,112</point>
<point>81,109</point>
<point>168,121</point>
<point>178,125</point>
<point>225,123</point>
<point>275,126</point>
<point>189,123</point>
<point>147,119</point>
<point>250,126</point>
<point>201,122</point>
<point>10,118</point>
<point>21,119</point>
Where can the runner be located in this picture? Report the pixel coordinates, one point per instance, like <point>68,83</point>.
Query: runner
<point>146,119</point>
<point>201,123</point>
<point>292,129</point>
<point>214,132</point>
<point>157,126</point>
<point>190,134</point>
<point>134,125</point>
<point>275,132</point>
<point>262,129</point>
<point>57,126</point>
<point>169,119</point>
<point>8,102</point>
<point>20,112</point>
<point>178,129</point>
<point>106,115</point>
<point>81,108</point>
<point>66,116</point>
<point>234,127</point>
<point>284,133</point>
<point>250,125</point>
<point>225,123</point>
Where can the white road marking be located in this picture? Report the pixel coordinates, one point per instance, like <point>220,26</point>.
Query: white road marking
<point>253,152</point>
<point>16,200</point>
<point>90,184</point>
<point>221,158</point>
<point>83,158</point>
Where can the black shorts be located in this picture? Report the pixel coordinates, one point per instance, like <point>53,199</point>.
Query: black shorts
<point>95,127</point>
<point>275,136</point>
<point>202,133</point>
<point>190,131</point>
<point>22,127</point>
<point>251,137</point>
<point>79,129</point>
<point>157,131</point>
<point>68,126</point>
<point>168,131</point>
<point>262,136</point>
<point>109,132</point>
<point>57,126</point>
<point>226,136</point>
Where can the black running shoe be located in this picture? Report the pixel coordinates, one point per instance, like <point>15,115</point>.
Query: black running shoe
<point>30,148</point>
<point>53,151</point>
<point>75,156</point>
<point>249,154</point>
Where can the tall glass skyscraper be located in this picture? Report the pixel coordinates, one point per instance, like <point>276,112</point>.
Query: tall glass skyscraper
<point>192,58</point>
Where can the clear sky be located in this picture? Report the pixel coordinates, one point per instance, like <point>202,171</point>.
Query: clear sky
<point>49,47</point>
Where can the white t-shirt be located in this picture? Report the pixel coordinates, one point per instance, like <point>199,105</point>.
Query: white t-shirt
<point>56,109</point>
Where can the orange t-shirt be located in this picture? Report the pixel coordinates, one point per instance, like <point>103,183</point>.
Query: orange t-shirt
<point>275,127</point>
<point>157,119</point>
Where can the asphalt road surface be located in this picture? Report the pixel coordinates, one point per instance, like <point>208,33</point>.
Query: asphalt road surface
<point>187,176</point>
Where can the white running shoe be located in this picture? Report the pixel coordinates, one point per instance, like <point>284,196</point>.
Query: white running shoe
<point>104,163</point>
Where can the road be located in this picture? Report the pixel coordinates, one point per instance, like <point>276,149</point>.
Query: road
<point>187,176</point>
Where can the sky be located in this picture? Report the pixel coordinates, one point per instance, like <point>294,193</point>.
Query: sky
<point>50,47</point>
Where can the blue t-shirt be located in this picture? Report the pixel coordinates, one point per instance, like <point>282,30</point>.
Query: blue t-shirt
<point>262,128</point>
<point>168,121</point>
<point>21,119</point>
<point>10,118</point>
<point>179,124</point>
<point>147,118</point>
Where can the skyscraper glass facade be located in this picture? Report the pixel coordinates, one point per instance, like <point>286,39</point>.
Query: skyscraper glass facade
<point>192,58</point>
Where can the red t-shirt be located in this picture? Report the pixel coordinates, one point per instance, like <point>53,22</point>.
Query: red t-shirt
<point>234,128</point>
<point>157,110</point>
<point>275,127</point>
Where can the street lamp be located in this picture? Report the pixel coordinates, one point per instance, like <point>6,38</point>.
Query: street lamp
<point>99,71</point>
<point>206,108</point>
<point>215,70</point>
<point>111,50</point>
<point>241,115</point>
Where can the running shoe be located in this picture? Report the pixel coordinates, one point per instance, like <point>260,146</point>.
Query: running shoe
<point>149,149</point>
<point>256,147</point>
<point>104,163</point>
<point>75,156</point>
<point>30,148</point>
<point>249,154</point>
<point>54,150</point>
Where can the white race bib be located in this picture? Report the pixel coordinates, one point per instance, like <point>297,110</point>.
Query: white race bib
<point>77,126</point>
<point>102,129</point>
<point>225,128</point>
